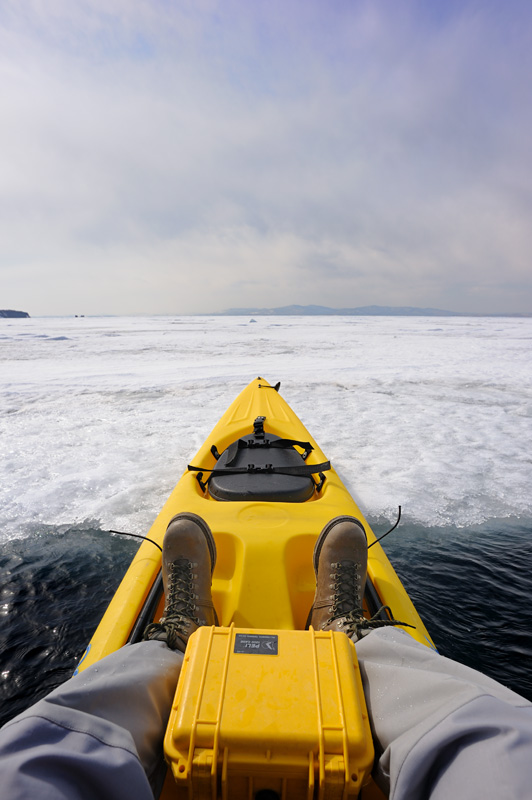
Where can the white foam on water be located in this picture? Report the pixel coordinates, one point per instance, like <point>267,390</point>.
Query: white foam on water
<point>99,416</point>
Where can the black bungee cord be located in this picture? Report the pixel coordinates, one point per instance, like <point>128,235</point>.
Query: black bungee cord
<point>137,536</point>
<point>387,532</point>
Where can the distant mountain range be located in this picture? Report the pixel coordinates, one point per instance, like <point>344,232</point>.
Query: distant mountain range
<point>11,314</point>
<point>363,311</point>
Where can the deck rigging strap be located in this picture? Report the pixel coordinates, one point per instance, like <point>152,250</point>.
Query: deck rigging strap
<point>267,386</point>
<point>280,444</point>
<point>303,470</point>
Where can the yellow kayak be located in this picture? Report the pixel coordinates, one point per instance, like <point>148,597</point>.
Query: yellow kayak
<point>266,490</point>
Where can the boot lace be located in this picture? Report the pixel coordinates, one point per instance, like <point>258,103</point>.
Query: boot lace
<point>347,587</point>
<point>179,611</point>
<point>347,598</point>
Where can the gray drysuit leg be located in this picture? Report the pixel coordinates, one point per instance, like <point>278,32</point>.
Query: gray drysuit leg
<point>100,734</point>
<point>442,730</point>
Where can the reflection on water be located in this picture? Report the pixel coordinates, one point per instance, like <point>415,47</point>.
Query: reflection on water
<point>55,587</point>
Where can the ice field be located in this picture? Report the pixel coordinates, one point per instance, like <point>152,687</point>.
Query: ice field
<point>99,416</point>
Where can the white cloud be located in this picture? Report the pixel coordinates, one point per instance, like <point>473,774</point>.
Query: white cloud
<point>290,152</point>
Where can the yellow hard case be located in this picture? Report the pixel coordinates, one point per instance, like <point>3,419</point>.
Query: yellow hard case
<point>273,710</point>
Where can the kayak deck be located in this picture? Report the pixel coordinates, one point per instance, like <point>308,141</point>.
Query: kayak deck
<point>264,575</point>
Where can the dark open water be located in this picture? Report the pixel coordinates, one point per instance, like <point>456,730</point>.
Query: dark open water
<point>471,586</point>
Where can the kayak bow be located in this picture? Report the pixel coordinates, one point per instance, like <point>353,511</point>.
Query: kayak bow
<point>266,490</point>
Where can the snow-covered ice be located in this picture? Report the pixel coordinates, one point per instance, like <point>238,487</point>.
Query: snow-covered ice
<point>99,416</point>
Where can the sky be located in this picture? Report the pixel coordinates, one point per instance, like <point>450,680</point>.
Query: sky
<point>176,156</point>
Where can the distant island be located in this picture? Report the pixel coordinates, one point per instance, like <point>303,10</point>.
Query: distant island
<point>13,314</point>
<point>363,311</point>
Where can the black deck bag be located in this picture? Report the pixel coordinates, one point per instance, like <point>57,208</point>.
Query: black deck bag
<point>263,466</point>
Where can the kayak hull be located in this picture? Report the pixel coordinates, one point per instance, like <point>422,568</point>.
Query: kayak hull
<point>264,575</point>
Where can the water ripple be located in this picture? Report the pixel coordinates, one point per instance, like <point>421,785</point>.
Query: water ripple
<point>472,589</point>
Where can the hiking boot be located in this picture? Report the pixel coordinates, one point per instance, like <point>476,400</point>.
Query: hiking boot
<point>189,556</point>
<point>340,564</point>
